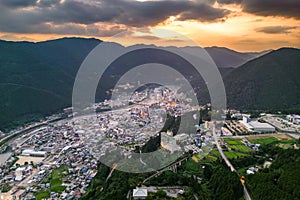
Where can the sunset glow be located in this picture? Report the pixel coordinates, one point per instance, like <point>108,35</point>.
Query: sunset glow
<point>233,24</point>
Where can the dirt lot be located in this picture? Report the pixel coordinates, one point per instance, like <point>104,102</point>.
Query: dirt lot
<point>283,137</point>
<point>23,159</point>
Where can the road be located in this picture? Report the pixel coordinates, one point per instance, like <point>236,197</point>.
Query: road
<point>221,150</point>
<point>257,135</point>
<point>246,193</point>
<point>19,133</point>
<point>141,159</point>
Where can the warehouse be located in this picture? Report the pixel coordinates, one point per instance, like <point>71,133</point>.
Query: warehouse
<point>258,127</point>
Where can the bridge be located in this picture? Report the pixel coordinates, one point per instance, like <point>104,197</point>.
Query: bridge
<point>173,167</point>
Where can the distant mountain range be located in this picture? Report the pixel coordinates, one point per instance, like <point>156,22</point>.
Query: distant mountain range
<point>225,57</point>
<point>36,79</point>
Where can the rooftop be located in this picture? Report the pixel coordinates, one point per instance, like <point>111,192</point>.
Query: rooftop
<point>139,192</point>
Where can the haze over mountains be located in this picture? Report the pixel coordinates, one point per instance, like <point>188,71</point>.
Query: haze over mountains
<point>36,79</point>
<point>225,57</point>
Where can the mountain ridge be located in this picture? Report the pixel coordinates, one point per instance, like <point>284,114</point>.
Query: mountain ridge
<point>271,79</point>
<point>36,79</point>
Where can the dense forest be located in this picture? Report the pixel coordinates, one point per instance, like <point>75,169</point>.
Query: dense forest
<point>218,183</point>
<point>281,180</point>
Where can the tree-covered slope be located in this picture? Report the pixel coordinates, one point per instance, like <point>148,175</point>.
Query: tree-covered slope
<point>36,79</point>
<point>268,82</point>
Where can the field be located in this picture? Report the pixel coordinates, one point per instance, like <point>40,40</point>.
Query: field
<point>216,153</point>
<point>284,145</point>
<point>197,157</point>
<point>281,140</point>
<point>211,158</point>
<point>229,154</point>
<point>240,148</point>
<point>263,141</point>
<point>56,179</point>
<point>233,141</point>
<point>234,155</point>
<point>42,195</point>
<point>237,145</point>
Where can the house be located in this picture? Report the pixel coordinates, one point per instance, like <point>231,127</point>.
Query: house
<point>140,193</point>
<point>19,194</point>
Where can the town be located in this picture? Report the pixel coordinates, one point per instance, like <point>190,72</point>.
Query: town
<point>59,159</point>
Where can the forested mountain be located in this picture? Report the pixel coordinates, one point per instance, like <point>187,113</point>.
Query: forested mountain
<point>268,82</point>
<point>36,79</point>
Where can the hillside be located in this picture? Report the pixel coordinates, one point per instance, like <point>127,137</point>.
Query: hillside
<point>36,79</point>
<point>268,82</point>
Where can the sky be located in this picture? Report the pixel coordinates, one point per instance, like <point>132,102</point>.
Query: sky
<point>242,25</point>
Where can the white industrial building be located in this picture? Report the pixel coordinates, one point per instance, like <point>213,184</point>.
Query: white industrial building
<point>259,127</point>
<point>29,152</point>
<point>256,126</point>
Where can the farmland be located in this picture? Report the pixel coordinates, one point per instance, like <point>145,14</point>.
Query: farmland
<point>264,141</point>
<point>237,145</point>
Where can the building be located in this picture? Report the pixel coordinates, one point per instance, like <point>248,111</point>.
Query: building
<point>238,116</point>
<point>68,110</point>
<point>19,194</point>
<point>19,173</point>
<point>256,126</point>
<point>140,193</point>
<point>225,132</point>
<point>246,118</point>
<point>183,137</point>
<point>261,127</point>
<point>168,142</point>
<point>293,118</point>
<point>29,152</point>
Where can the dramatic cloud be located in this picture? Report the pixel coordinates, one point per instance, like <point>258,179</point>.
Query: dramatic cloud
<point>285,8</point>
<point>275,29</point>
<point>48,16</point>
<point>229,1</point>
<point>48,3</point>
<point>18,3</point>
<point>203,12</point>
